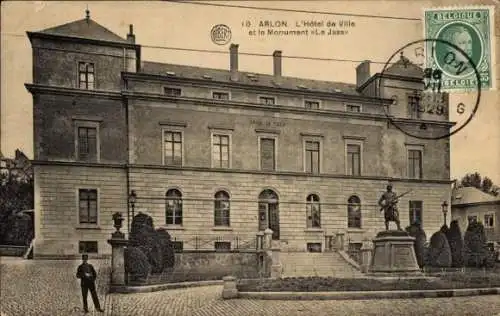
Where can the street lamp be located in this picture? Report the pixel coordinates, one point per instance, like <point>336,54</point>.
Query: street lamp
<point>132,198</point>
<point>444,208</point>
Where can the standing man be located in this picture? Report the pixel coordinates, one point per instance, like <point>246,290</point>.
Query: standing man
<point>86,273</point>
<point>388,202</point>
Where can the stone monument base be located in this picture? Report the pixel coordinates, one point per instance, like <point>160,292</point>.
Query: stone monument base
<point>394,255</point>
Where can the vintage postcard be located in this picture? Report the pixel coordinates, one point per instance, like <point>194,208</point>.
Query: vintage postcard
<point>249,158</point>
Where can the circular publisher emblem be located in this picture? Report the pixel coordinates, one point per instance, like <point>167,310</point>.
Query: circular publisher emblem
<point>220,34</point>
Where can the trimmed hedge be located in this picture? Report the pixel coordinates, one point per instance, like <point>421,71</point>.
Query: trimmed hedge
<point>454,236</point>
<point>439,253</point>
<point>416,231</point>
<point>154,244</point>
<point>136,264</point>
<point>476,252</point>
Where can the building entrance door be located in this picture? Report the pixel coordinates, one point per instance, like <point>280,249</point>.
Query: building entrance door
<point>269,212</point>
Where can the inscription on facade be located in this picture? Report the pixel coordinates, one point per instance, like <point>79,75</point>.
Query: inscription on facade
<point>267,123</point>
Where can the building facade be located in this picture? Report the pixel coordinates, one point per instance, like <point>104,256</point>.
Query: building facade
<point>471,204</point>
<point>222,154</point>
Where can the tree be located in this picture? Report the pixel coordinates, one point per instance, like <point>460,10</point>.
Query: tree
<point>16,194</point>
<point>484,184</point>
<point>456,243</point>
<point>472,180</point>
<point>415,230</point>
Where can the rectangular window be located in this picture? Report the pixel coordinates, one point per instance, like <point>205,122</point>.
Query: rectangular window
<point>178,245</point>
<point>173,148</point>
<point>353,108</point>
<point>87,247</point>
<point>222,246</point>
<point>220,151</point>
<point>312,105</point>
<point>312,156</point>
<point>220,95</point>
<point>267,100</point>
<point>353,159</point>
<point>413,106</point>
<point>87,202</point>
<point>172,92</point>
<point>415,215</point>
<point>314,247</point>
<point>415,164</point>
<point>489,221</point>
<point>86,75</point>
<point>267,154</point>
<point>87,143</point>
<point>471,218</point>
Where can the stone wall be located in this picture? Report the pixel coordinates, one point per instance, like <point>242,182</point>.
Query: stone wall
<point>57,227</point>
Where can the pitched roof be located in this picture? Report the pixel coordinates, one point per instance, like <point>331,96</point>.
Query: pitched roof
<point>255,79</point>
<point>405,67</point>
<point>85,28</point>
<point>471,195</point>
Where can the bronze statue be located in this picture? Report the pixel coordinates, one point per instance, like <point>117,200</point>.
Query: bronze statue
<point>388,203</point>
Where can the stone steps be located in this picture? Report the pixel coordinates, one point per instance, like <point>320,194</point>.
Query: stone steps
<point>325,264</point>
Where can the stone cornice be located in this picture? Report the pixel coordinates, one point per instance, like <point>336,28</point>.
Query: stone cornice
<point>236,171</point>
<point>43,89</point>
<point>258,89</point>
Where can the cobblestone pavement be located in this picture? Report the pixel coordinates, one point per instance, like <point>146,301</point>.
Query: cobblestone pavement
<point>46,287</point>
<point>206,301</point>
<point>49,287</point>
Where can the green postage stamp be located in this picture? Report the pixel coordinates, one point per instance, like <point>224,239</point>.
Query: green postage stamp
<point>470,29</point>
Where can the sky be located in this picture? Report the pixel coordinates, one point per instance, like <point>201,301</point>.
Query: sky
<point>475,148</point>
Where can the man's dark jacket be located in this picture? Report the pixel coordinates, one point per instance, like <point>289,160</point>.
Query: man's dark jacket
<point>86,273</point>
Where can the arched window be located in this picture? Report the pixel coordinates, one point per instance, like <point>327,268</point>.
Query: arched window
<point>313,211</point>
<point>221,209</point>
<point>173,207</point>
<point>354,212</point>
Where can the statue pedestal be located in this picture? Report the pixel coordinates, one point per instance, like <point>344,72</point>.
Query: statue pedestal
<point>394,255</point>
<point>118,259</point>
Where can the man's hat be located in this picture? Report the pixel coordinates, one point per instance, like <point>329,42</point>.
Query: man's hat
<point>85,257</point>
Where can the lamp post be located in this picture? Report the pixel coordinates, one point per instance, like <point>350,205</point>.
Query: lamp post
<point>444,208</point>
<point>132,198</point>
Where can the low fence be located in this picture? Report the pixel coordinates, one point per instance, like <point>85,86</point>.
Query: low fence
<point>204,258</point>
<point>12,251</point>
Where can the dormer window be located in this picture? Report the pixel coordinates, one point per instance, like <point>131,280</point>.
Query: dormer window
<point>86,75</point>
<point>267,100</point>
<point>172,92</point>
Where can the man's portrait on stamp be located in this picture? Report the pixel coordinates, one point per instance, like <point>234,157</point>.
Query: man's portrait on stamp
<point>464,36</point>
<point>247,157</point>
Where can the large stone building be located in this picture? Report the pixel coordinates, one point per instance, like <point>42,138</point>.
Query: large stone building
<point>218,155</point>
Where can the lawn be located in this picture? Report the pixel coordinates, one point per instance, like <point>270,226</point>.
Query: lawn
<point>325,284</point>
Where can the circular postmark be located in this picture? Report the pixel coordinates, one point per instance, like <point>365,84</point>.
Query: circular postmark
<point>429,105</point>
<point>220,34</point>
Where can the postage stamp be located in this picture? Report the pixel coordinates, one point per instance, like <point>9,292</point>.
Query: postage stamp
<point>470,29</point>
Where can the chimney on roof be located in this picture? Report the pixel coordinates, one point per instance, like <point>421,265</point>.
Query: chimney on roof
<point>130,35</point>
<point>362,73</point>
<point>233,61</point>
<point>87,14</point>
<point>277,63</point>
